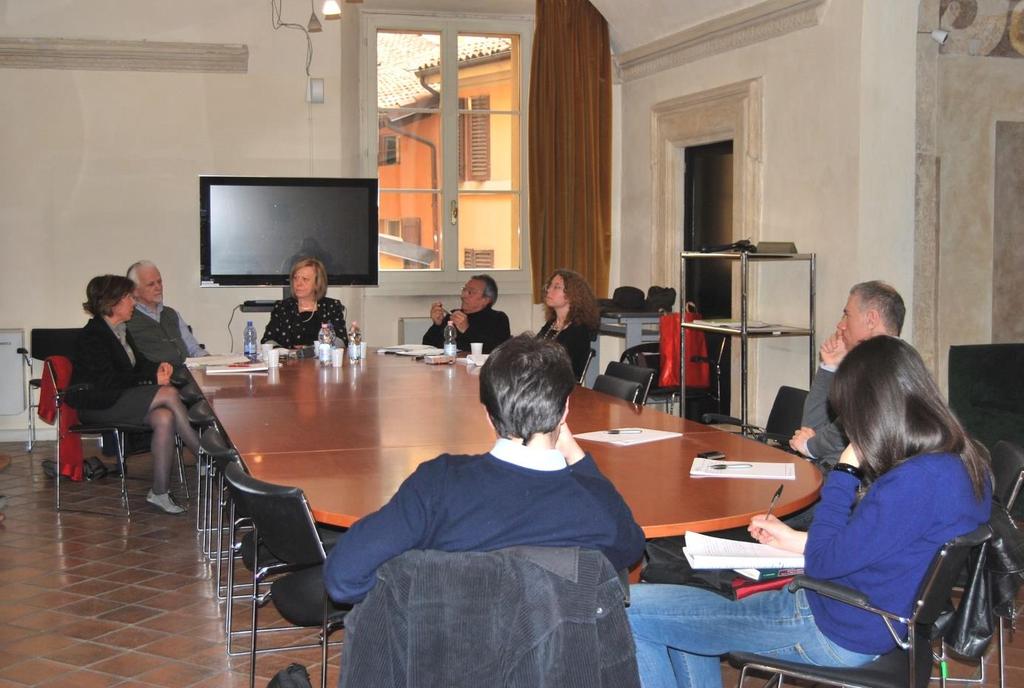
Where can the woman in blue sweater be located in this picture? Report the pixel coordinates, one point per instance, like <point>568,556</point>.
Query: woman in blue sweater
<point>909,481</point>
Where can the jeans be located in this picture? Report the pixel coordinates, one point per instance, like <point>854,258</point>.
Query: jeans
<point>681,632</point>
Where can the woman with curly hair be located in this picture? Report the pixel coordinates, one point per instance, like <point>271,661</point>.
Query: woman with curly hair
<point>572,316</point>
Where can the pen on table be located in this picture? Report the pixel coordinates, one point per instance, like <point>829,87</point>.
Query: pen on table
<point>727,466</point>
<point>626,431</point>
<point>775,499</point>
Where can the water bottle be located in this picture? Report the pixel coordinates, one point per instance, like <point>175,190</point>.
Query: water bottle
<point>451,348</point>
<point>355,342</point>
<point>249,345</point>
<point>325,342</point>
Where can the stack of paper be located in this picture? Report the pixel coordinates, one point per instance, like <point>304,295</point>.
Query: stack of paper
<point>706,552</point>
<point>625,437</point>
<point>236,368</point>
<point>215,360</point>
<point>411,350</point>
<point>717,468</point>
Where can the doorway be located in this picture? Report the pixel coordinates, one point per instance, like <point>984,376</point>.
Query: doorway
<point>708,221</point>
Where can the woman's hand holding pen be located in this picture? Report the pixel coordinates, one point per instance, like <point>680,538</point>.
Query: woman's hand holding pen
<point>769,530</point>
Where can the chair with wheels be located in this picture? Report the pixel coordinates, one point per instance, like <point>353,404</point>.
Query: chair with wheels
<point>909,664</point>
<point>783,420</point>
<point>44,342</point>
<point>282,522</point>
<point>619,388</point>
<point>641,375</point>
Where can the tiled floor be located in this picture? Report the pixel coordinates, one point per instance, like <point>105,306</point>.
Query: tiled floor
<point>97,600</point>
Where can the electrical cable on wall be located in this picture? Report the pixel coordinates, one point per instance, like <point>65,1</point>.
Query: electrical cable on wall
<point>275,16</point>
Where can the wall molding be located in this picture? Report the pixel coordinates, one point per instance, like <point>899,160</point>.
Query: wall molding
<point>762,22</point>
<point>123,56</point>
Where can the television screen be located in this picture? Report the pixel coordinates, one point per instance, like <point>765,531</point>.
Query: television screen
<point>252,229</point>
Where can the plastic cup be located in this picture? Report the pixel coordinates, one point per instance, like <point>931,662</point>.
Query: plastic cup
<point>265,351</point>
<point>337,357</point>
<point>273,358</point>
<point>476,348</point>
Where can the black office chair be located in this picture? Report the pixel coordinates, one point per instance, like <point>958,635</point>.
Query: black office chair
<point>44,342</point>
<point>643,376</point>
<point>783,420</point>
<point>617,387</point>
<point>909,664</point>
<point>282,522</point>
<point>1008,474</point>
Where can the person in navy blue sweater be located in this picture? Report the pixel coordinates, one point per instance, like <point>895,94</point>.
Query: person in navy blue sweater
<point>909,481</point>
<point>535,487</point>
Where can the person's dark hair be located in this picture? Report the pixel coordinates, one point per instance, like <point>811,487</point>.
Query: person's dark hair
<point>104,291</point>
<point>490,287</point>
<point>886,300</point>
<point>583,307</point>
<point>892,410</point>
<point>524,386</point>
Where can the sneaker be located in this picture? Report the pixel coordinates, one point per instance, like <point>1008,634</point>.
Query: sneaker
<point>164,503</point>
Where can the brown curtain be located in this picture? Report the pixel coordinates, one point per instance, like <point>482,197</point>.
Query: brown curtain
<point>570,144</point>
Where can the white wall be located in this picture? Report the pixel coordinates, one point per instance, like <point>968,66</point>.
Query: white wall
<point>838,163</point>
<point>100,167</point>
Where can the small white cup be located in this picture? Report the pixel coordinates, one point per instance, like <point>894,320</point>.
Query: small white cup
<point>273,358</point>
<point>265,350</point>
<point>476,348</point>
<point>337,357</point>
<point>362,349</point>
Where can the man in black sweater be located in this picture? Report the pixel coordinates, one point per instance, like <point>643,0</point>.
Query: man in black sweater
<point>476,321</point>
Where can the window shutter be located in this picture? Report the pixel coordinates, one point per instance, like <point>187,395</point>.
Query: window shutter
<point>480,140</point>
<point>460,153</point>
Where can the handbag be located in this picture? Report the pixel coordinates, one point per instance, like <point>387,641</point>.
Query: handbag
<point>1005,561</point>
<point>973,624</point>
<point>292,676</point>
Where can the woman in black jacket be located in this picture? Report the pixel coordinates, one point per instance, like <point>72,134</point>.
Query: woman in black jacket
<point>572,316</point>
<point>122,386</point>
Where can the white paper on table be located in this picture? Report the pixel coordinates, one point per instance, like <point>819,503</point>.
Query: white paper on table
<point>701,468</point>
<point>214,360</point>
<point>625,439</point>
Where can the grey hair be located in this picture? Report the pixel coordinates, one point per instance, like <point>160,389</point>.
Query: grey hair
<point>133,269</point>
<point>490,287</point>
<point>886,300</point>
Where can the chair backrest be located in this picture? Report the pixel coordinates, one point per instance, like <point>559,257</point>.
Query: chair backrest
<point>646,355</point>
<point>586,366</point>
<point>631,373</point>
<point>786,414</point>
<point>617,387</point>
<point>1008,472</point>
<point>54,342</point>
<point>280,514</point>
<point>944,572</point>
<point>492,618</point>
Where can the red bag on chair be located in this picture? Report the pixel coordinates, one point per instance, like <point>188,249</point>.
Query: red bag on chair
<point>698,373</point>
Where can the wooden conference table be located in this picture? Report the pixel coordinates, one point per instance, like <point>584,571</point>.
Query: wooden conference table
<point>349,436</point>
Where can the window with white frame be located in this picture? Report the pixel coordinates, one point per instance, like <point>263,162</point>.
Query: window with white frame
<point>449,128</point>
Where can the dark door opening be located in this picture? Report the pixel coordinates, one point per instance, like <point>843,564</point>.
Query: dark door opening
<point>707,221</point>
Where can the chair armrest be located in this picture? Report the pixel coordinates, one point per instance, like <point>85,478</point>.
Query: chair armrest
<point>836,591</point>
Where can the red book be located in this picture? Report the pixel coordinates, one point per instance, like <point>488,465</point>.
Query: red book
<point>743,587</point>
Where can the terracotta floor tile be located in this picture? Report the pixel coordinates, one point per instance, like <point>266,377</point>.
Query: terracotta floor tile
<point>82,679</point>
<point>130,637</point>
<point>82,654</point>
<point>175,674</point>
<point>87,629</point>
<point>39,644</point>
<point>129,664</point>
<point>90,606</point>
<point>32,670</point>
<point>130,613</point>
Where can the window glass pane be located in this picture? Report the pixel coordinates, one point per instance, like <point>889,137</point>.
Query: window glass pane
<point>488,152</point>
<point>489,231</point>
<point>489,64</point>
<point>408,150</point>
<point>409,233</point>
<point>404,61</point>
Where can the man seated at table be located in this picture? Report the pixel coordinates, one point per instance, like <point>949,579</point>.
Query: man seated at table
<point>160,333</point>
<point>536,486</point>
<point>873,308</point>
<point>475,321</point>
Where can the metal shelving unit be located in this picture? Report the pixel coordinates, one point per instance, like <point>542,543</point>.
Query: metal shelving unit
<point>744,331</point>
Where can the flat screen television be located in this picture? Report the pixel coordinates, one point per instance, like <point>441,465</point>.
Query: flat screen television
<point>252,229</point>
